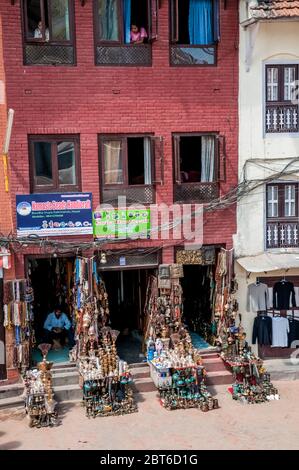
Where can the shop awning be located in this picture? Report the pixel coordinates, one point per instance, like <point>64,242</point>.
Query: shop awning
<point>269,262</point>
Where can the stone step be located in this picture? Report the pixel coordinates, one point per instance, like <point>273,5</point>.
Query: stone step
<point>214,364</point>
<point>9,391</point>
<point>67,393</point>
<point>210,350</point>
<point>144,385</point>
<point>210,356</point>
<point>66,370</point>
<point>65,378</point>
<point>136,365</point>
<point>140,373</point>
<point>219,378</point>
<point>12,402</point>
<point>63,365</point>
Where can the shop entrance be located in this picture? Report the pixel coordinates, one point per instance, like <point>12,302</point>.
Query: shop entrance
<point>126,293</point>
<point>51,280</point>
<point>197,285</point>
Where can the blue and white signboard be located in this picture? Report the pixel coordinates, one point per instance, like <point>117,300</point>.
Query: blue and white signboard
<point>54,214</point>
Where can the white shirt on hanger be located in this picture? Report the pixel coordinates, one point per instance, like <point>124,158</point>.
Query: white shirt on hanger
<point>280,330</point>
<point>257,297</point>
<point>270,297</point>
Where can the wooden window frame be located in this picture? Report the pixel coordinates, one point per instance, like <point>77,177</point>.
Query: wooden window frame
<point>53,140</point>
<point>32,41</point>
<point>123,138</point>
<point>152,25</point>
<point>281,202</point>
<point>281,83</point>
<point>217,156</point>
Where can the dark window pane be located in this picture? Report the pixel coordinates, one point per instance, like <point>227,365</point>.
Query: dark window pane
<point>43,163</point>
<point>33,19</point>
<point>138,160</point>
<point>108,20</point>
<point>60,21</point>
<point>190,159</point>
<point>66,162</point>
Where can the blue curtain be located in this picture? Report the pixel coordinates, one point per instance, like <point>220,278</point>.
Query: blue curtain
<point>200,22</point>
<point>127,21</point>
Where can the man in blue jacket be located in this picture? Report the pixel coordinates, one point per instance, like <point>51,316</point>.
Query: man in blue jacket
<point>57,327</point>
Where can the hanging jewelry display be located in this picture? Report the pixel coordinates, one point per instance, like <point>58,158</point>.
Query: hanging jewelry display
<point>18,316</point>
<point>40,405</point>
<point>175,365</point>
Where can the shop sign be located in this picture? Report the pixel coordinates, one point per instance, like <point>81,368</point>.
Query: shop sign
<point>121,223</point>
<point>54,214</point>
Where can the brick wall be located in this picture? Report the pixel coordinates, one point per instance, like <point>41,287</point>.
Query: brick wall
<point>158,99</point>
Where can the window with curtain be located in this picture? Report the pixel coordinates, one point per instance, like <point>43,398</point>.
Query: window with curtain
<point>117,20</point>
<point>54,163</point>
<point>195,30</point>
<point>126,160</point>
<point>195,158</point>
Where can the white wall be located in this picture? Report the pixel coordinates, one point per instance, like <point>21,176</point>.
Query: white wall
<point>272,42</point>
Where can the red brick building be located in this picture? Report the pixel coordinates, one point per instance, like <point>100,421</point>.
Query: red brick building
<point>76,83</point>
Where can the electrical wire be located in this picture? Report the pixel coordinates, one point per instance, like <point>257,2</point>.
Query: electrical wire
<point>232,197</point>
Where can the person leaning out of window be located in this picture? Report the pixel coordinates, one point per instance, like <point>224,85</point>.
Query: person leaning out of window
<point>138,35</point>
<point>38,32</point>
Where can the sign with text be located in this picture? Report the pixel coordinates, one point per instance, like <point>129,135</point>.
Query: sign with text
<point>54,214</point>
<point>121,223</point>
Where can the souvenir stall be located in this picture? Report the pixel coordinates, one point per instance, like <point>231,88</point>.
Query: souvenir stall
<point>175,365</point>
<point>40,405</point>
<point>251,381</point>
<point>18,316</point>
<point>105,379</point>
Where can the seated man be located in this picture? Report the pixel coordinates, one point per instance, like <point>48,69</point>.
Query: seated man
<point>57,326</point>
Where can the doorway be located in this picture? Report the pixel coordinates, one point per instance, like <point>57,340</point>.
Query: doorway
<point>198,292</point>
<point>126,293</point>
<point>51,280</point>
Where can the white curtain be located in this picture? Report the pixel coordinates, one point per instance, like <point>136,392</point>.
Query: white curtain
<point>207,159</point>
<point>147,161</point>
<point>112,162</point>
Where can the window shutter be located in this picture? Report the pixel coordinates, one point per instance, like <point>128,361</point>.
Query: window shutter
<point>221,160</point>
<point>157,160</point>
<point>216,10</point>
<point>174,20</point>
<point>176,147</point>
<point>153,8</point>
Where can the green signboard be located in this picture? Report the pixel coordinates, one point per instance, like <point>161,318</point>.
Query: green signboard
<point>121,223</point>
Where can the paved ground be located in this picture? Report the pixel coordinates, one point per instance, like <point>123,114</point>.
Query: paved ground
<point>273,425</point>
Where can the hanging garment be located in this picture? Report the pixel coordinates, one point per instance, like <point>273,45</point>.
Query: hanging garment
<point>262,330</point>
<point>280,330</point>
<point>257,297</point>
<point>200,22</point>
<point>283,295</point>
<point>294,331</point>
